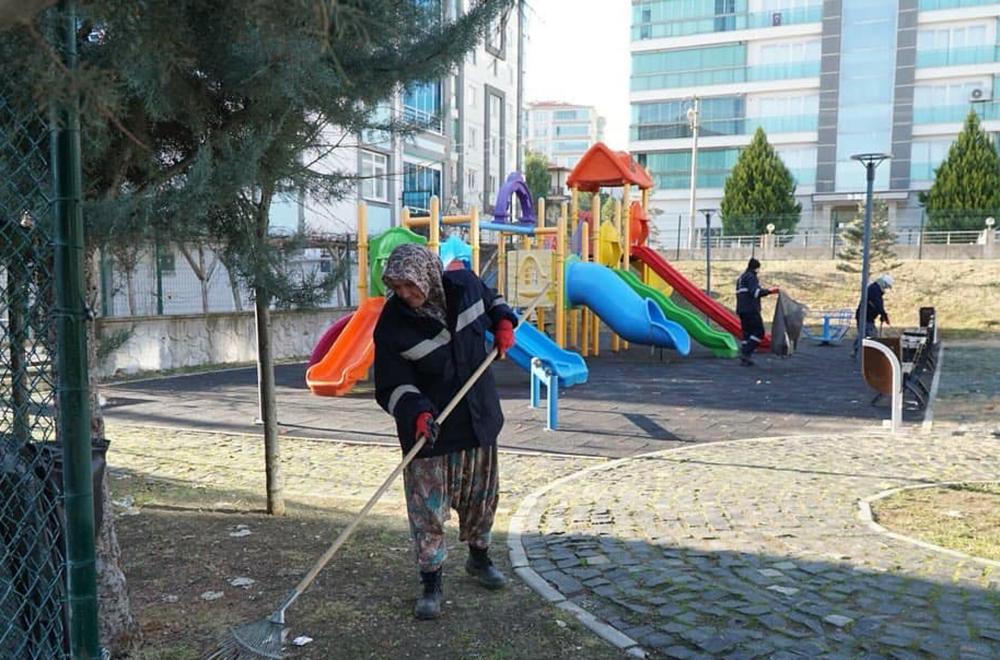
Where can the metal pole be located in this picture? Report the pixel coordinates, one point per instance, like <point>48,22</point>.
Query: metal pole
<point>865,259</point>
<point>73,380</point>
<point>693,118</point>
<point>519,153</point>
<point>708,253</point>
<point>678,256</point>
<point>920,236</point>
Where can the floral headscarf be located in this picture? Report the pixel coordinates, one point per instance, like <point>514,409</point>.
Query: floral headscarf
<point>417,264</point>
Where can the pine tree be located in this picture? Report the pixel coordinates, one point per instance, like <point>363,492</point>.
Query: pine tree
<point>881,246</point>
<point>536,174</point>
<point>966,186</point>
<point>759,190</point>
<point>196,115</point>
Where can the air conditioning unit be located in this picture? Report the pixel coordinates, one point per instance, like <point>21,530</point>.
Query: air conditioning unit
<point>977,94</point>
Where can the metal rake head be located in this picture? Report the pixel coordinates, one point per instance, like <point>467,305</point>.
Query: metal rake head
<point>252,641</point>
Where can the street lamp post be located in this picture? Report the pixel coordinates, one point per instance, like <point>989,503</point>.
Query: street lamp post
<point>708,250</point>
<point>871,163</point>
<point>693,116</point>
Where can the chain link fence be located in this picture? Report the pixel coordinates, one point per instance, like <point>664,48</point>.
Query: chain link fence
<point>32,573</point>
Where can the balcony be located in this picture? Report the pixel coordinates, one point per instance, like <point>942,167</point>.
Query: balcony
<point>725,76</point>
<point>956,114</point>
<point>958,56</point>
<point>931,5</point>
<point>711,127</point>
<point>422,119</point>
<point>726,22</point>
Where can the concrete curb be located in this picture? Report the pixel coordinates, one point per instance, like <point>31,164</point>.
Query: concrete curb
<point>865,515</point>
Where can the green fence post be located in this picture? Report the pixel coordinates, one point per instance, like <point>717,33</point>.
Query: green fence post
<point>72,385</point>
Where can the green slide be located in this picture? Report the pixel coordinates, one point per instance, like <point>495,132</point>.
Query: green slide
<point>722,344</point>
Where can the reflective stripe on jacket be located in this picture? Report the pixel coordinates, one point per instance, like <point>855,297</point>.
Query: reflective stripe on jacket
<point>749,293</point>
<point>420,364</point>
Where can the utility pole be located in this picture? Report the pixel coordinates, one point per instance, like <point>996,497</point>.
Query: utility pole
<point>870,162</point>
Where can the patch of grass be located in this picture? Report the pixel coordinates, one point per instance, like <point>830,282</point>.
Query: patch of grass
<point>957,288</point>
<point>963,517</point>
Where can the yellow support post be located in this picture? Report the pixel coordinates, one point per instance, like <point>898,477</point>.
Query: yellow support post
<point>404,217</point>
<point>585,315</point>
<point>540,318</point>
<point>435,225</point>
<point>574,209</point>
<point>474,238</point>
<point>615,340</point>
<point>573,327</point>
<point>595,251</point>
<point>560,318</point>
<point>362,253</point>
<point>627,235</point>
<point>501,266</point>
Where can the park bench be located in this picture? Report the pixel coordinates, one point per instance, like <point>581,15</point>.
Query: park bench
<point>911,355</point>
<point>835,325</point>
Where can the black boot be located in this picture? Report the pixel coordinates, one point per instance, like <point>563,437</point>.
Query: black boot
<point>429,604</point>
<point>480,566</point>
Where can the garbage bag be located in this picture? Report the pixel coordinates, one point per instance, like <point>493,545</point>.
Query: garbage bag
<point>789,316</point>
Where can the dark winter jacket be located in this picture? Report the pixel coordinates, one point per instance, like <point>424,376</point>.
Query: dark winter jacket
<point>420,365</point>
<point>876,304</point>
<point>749,293</point>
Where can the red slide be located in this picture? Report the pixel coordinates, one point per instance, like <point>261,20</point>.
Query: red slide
<point>683,286</point>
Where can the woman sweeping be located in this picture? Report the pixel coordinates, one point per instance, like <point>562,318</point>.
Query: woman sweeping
<point>428,341</point>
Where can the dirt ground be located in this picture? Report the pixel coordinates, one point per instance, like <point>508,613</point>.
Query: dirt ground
<point>966,293</point>
<point>964,517</point>
<point>190,520</point>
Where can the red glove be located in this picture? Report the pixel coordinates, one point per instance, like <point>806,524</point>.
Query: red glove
<point>426,427</point>
<point>503,336</point>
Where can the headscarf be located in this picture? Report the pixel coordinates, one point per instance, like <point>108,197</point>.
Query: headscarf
<point>417,264</point>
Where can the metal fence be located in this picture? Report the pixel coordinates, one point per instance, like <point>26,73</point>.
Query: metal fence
<point>32,571</point>
<point>156,279</point>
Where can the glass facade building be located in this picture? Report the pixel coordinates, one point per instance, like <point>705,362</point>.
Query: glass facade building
<point>826,79</point>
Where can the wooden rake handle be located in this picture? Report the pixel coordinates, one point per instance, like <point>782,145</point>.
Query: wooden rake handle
<point>321,563</point>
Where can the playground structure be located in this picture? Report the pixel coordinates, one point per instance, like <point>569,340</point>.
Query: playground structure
<point>581,275</point>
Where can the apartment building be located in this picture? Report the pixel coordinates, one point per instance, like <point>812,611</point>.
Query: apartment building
<point>826,80</point>
<point>562,132</point>
<point>465,143</point>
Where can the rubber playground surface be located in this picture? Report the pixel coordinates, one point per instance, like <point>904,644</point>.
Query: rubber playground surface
<point>636,401</point>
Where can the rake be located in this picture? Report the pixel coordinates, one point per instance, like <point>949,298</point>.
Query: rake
<point>264,638</point>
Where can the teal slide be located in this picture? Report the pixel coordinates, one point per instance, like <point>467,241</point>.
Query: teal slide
<point>722,344</point>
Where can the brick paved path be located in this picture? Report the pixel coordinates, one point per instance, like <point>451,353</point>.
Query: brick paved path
<point>756,548</point>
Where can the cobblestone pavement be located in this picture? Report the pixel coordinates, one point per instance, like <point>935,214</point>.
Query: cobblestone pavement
<point>635,402</point>
<point>756,548</point>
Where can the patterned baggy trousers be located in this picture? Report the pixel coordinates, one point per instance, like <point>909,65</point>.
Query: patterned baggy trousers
<point>467,481</point>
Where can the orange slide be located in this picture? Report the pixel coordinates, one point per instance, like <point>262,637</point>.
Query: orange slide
<point>351,356</point>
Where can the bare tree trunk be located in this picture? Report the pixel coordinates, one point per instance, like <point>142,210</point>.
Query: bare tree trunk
<point>130,292</point>
<point>203,273</point>
<point>265,373</point>
<point>119,629</point>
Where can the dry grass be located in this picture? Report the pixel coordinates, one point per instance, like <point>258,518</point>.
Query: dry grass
<point>965,292</point>
<point>965,517</point>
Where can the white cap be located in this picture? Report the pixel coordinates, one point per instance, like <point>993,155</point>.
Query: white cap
<point>886,281</point>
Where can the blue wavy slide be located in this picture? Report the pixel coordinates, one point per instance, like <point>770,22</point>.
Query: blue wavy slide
<point>529,342</point>
<point>632,317</point>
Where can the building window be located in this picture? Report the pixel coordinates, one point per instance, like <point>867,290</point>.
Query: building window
<point>374,171</point>
<point>496,38</point>
<point>422,105</point>
<point>496,135</point>
<point>420,183</point>
<point>470,96</point>
<point>471,137</point>
<point>470,181</point>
